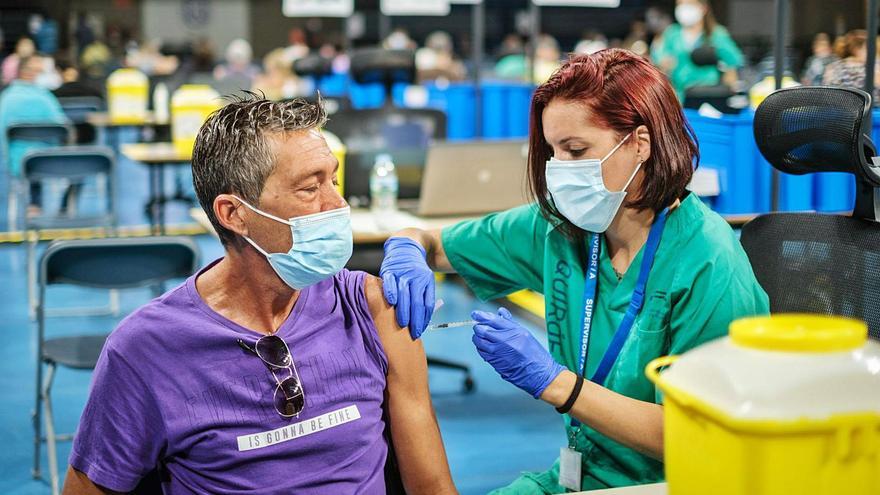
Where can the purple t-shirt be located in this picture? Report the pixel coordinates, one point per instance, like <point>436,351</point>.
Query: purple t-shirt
<point>173,386</point>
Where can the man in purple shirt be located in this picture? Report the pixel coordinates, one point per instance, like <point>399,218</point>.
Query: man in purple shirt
<point>272,370</point>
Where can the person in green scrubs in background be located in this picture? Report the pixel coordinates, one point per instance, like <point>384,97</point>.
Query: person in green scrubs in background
<point>631,265</point>
<point>695,28</point>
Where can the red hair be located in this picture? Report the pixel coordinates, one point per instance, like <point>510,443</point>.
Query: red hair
<point>622,91</point>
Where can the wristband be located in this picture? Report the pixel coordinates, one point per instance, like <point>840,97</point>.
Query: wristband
<point>564,408</point>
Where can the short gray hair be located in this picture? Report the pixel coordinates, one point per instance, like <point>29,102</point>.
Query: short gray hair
<point>233,156</point>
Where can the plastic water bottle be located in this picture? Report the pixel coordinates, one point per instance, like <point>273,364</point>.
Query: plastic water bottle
<point>160,103</point>
<point>383,185</point>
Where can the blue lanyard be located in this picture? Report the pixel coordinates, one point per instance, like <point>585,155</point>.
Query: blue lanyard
<point>635,305</point>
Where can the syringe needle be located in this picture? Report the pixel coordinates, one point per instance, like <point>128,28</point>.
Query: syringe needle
<point>452,324</point>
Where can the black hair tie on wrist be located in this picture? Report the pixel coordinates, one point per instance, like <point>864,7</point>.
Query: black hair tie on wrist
<point>578,385</point>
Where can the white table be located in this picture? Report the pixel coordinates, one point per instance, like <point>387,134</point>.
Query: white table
<point>366,227</point>
<point>658,489</point>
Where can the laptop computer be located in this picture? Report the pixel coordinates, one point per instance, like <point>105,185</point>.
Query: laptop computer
<point>473,178</point>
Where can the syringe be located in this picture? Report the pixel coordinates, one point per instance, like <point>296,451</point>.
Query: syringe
<point>452,324</point>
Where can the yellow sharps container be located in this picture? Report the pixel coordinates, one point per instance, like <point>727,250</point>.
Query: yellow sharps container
<point>786,405</point>
<point>338,149</point>
<point>127,96</point>
<point>190,106</point>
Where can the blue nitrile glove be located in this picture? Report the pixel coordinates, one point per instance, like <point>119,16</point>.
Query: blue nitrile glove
<point>514,352</point>
<point>408,283</point>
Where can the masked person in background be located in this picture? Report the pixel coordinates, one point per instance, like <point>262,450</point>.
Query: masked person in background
<point>696,28</point>
<point>270,370</point>
<point>632,267</point>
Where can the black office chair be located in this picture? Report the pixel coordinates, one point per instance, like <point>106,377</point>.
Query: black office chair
<point>103,263</point>
<point>811,262</point>
<point>317,68</point>
<point>720,96</point>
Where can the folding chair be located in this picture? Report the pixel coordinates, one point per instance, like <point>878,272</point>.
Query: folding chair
<point>103,263</point>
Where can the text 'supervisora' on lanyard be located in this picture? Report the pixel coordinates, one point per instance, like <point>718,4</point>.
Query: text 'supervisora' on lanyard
<point>635,305</point>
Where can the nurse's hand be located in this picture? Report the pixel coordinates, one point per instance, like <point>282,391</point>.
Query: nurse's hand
<point>408,283</point>
<point>514,352</point>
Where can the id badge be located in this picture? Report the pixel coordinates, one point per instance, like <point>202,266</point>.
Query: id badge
<point>570,462</point>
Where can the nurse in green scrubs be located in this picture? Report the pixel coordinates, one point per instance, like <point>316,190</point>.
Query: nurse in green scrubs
<point>696,27</point>
<point>631,265</point>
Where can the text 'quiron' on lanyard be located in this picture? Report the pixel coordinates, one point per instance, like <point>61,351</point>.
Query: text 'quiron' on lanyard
<point>635,304</point>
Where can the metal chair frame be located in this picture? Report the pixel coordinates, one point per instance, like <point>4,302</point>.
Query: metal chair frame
<point>43,399</point>
<point>40,132</point>
<point>107,221</point>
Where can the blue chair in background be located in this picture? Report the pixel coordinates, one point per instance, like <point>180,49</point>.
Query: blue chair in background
<point>77,109</point>
<point>44,134</point>
<point>79,165</point>
<point>107,264</point>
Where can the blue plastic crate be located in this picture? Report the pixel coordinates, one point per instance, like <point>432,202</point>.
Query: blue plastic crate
<point>519,99</point>
<point>834,192</point>
<point>366,95</point>
<point>796,192</point>
<point>461,111</point>
<point>727,145</point>
<point>495,124</point>
<point>334,85</point>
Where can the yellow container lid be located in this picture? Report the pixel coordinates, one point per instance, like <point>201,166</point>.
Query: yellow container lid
<point>799,333</point>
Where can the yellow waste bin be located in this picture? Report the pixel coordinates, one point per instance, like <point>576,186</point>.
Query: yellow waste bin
<point>762,89</point>
<point>127,96</point>
<point>190,106</point>
<point>788,404</point>
<point>338,149</point>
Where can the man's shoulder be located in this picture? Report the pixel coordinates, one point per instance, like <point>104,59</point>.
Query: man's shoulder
<point>375,294</point>
<point>359,289</point>
<point>153,321</point>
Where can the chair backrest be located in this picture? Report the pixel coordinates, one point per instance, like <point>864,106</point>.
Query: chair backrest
<point>68,162</point>
<point>116,263</point>
<point>821,129</point>
<point>314,66</point>
<point>78,107</point>
<point>810,262</point>
<point>378,65</point>
<point>370,65</point>
<point>404,133</point>
<point>56,134</point>
<point>76,164</point>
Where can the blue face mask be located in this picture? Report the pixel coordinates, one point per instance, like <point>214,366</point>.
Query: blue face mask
<point>579,192</point>
<point>321,247</point>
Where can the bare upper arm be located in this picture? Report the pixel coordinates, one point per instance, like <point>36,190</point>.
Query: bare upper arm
<point>406,357</point>
<point>414,429</point>
<point>77,483</point>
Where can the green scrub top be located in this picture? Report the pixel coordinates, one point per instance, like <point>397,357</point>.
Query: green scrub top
<point>701,281</point>
<point>685,73</point>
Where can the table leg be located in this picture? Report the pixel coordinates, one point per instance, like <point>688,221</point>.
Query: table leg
<point>155,192</point>
<point>161,198</point>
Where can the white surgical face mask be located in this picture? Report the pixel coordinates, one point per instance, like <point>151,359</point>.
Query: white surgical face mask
<point>579,193</point>
<point>688,14</point>
<point>321,246</point>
